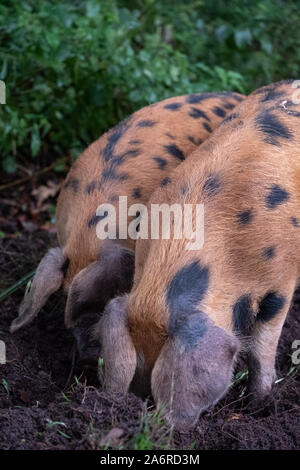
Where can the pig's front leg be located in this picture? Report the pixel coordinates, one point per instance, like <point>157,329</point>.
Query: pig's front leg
<point>265,336</point>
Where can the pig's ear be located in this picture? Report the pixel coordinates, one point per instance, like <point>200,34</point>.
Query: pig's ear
<point>95,285</point>
<point>191,374</point>
<point>48,279</point>
<point>118,351</point>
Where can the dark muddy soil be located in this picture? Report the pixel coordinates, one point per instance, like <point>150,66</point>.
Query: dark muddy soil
<point>48,401</point>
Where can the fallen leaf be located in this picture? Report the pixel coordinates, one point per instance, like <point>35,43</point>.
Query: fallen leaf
<point>43,192</point>
<point>235,417</point>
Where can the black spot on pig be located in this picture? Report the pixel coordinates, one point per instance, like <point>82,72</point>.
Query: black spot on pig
<point>198,113</point>
<point>173,106</point>
<point>161,162</point>
<point>194,99</point>
<point>212,185</point>
<point>111,174</point>
<point>165,181</point>
<point>175,151</point>
<point>185,291</point>
<point>228,105</point>
<point>236,97</point>
<point>269,252</point>
<point>276,196</point>
<point>272,95</point>
<point>194,141</point>
<point>206,126</point>
<point>131,153</point>
<point>90,187</point>
<point>272,128</point>
<point>198,98</point>
<point>230,118</point>
<point>170,136</point>
<point>184,189</point>
<point>118,160</point>
<point>113,138</point>
<point>270,305</point>
<point>113,198</point>
<point>295,222</point>
<point>72,183</point>
<point>262,90</point>
<point>219,111</point>
<point>245,217</point>
<point>96,218</point>
<point>146,123</point>
<point>243,317</point>
<point>136,193</point>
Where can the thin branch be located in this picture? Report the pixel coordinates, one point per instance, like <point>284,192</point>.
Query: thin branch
<point>26,178</point>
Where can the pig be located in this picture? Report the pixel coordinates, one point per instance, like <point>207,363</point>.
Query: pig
<point>190,313</point>
<point>131,160</point>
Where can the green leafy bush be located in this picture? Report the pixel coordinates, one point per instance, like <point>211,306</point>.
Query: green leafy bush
<point>73,68</point>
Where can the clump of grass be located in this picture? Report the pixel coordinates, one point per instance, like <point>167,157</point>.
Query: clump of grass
<point>17,285</point>
<point>50,424</point>
<point>239,377</point>
<point>100,370</point>
<point>66,399</point>
<point>153,433</point>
